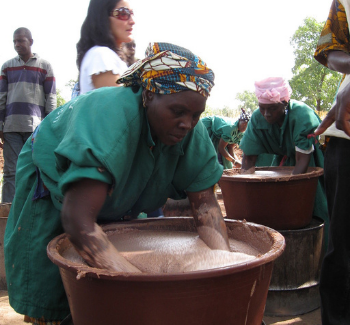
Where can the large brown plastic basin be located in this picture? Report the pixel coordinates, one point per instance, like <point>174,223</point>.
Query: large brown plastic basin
<point>229,295</point>
<point>272,197</point>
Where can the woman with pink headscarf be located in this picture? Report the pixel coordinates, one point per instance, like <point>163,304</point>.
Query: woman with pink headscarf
<point>281,127</point>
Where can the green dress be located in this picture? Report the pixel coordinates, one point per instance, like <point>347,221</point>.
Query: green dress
<point>102,135</point>
<point>300,121</point>
<point>222,128</point>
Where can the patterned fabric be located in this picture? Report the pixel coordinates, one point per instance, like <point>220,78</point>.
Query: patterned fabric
<point>335,33</point>
<point>168,69</point>
<point>27,93</point>
<point>245,116</point>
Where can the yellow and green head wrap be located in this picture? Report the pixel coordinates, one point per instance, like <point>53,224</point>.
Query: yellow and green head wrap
<point>168,69</point>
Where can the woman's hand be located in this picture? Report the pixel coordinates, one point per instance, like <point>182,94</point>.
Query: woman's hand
<point>340,113</point>
<point>210,223</point>
<point>82,203</point>
<point>248,164</point>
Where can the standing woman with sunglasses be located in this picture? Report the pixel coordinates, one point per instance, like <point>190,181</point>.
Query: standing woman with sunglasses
<point>108,24</point>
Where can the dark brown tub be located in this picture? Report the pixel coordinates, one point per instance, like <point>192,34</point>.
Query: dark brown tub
<point>228,295</point>
<point>271,197</point>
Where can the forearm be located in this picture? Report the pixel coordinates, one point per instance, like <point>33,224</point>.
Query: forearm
<point>248,163</point>
<point>50,103</point>
<point>3,100</point>
<point>302,163</point>
<point>81,206</point>
<point>339,61</point>
<point>50,91</point>
<point>96,249</point>
<point>224,153</point>
<point>209,221</point>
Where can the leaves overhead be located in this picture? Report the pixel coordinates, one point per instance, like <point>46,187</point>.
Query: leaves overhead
<point>312,82</point>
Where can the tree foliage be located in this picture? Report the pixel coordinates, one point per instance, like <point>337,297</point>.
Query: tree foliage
<point>71,83</point>
<point>248,100</point>
<point>225,111</point>
<point>60,100</point>
<point>312,83</point>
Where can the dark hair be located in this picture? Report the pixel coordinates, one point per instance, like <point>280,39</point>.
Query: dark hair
<point>96,28</point>
<point>23,30</point>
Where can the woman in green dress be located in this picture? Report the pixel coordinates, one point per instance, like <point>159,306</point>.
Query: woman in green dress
<point>226,133</point>
<point>283,127</point>
<point>107,156</point>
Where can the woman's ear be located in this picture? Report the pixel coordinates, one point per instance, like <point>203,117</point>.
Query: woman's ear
<point>147,96</point>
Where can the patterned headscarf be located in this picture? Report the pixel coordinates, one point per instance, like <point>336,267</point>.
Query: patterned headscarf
<point>169,69</point>
<point>272,90</point>
<point>245,116</point>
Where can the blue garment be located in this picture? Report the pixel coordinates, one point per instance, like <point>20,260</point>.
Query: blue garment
<point>76,90</point>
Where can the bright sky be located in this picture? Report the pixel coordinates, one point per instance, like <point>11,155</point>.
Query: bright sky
<point>241,41</point>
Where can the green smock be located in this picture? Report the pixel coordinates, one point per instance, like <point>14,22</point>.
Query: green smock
<point>102,135</point>
<point>222,128</point>
<point>300,121</point>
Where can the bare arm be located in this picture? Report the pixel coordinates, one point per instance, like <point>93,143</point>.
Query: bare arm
<point>302,163</point>
<point>82,203</point>
<point>231,150</point>
<point>339,61</point>
<point>222,149</point>
<point>210,223</point>
<point>248,164</point>
<point>105,79</point>
<point>340,113</point>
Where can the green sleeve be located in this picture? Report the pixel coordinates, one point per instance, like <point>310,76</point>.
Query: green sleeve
<point>303,121</point>
<point>198,169</point>
<point>229,131</point>
<point>251,143</point>
<point>101,137</point>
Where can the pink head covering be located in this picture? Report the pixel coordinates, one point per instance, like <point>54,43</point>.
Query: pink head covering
<point>272,90</point>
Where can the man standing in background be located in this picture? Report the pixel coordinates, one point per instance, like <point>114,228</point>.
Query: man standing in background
<point>27,95</point>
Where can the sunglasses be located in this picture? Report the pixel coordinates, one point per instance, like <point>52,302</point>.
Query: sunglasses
<point>122,13</point>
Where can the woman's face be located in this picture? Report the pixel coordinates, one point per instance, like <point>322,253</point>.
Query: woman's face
<point>122,29</point>
<point>273,113</point>
<point>172,116</point>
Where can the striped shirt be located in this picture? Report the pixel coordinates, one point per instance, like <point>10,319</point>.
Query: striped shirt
<point>27,93</point>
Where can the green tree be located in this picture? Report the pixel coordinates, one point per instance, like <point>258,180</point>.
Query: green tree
<point>248,100</point>
<point>60,99</point>
<point>71,83</point>
<point>312,83</point>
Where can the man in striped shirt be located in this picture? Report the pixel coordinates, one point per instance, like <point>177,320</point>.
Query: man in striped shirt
<point>27,95</point>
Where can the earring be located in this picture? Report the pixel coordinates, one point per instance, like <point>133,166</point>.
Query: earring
<point>144,102</point>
